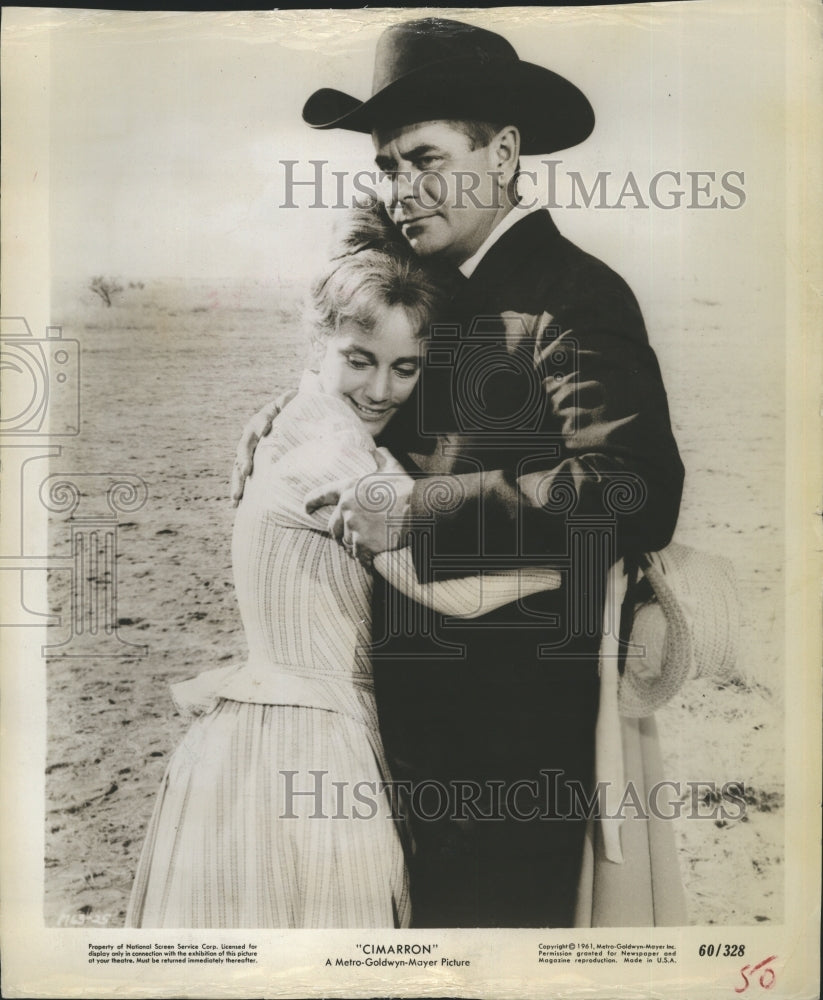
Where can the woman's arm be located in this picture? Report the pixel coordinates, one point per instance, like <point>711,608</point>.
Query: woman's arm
<point>465,596</point>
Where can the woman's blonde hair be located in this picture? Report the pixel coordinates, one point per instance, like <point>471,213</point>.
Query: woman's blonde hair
<point>371,266</point>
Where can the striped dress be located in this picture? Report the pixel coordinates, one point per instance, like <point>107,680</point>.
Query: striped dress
<point>271,812</point>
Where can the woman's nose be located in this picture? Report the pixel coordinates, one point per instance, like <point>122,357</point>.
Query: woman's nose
<point>378,387</point>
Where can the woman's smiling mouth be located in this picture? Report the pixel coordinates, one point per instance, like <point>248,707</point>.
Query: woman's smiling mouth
<point>369,412</point>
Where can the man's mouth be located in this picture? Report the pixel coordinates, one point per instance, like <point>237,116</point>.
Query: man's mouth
<point>407,222</point>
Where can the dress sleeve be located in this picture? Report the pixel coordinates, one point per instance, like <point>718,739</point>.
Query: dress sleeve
<point>466,596</point>
<point>313,446</point>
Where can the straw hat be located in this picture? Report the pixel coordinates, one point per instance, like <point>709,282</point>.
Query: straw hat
<point>690,628</point>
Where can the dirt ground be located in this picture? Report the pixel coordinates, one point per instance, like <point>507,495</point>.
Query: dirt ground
<point>170,373</point>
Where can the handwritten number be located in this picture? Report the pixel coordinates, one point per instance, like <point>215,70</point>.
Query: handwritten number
<point>767,976</point>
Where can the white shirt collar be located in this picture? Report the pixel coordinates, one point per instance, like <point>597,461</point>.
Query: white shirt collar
<point>468,267</point>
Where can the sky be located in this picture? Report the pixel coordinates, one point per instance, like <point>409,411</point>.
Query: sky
<point>167,132</point>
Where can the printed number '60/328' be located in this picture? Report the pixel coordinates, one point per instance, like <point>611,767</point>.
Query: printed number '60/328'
<point>721,950</point>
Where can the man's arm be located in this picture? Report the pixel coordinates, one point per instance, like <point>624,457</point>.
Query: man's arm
<point>369,513</point>
<point>258,427</point>
<point>604,453</point>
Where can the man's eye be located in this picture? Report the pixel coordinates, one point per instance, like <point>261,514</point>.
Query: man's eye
<point>429,162</point>
<point>406,371</point>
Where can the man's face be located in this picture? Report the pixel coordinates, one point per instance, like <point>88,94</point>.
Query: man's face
<point>444,195</point>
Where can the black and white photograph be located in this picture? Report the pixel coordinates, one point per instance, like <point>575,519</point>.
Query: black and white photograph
<point>410,464</point>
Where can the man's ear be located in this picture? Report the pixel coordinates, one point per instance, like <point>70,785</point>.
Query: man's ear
<point>505,152</point>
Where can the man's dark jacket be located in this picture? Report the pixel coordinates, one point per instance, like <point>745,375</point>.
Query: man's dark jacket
<point>542,430</point>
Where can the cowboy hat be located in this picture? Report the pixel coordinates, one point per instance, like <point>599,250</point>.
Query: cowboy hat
<point>434,68</point>
<point>689,628</point>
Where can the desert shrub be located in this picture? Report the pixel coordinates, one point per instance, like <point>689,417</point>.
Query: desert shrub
<point>105,288</point>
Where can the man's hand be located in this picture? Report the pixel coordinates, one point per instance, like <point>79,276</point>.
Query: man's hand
<point>369,512</point>
<point>258,427</point>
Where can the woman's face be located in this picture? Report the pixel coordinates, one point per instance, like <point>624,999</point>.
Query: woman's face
<point>373,371</point>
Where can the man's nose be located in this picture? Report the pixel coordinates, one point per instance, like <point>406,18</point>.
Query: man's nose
<point>404,185</point>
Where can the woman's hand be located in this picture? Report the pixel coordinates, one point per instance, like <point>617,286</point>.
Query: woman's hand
<point>258,427</point>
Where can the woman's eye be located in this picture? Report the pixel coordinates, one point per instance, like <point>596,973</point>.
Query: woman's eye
<point>358,361</point>
<point>407,371</point>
